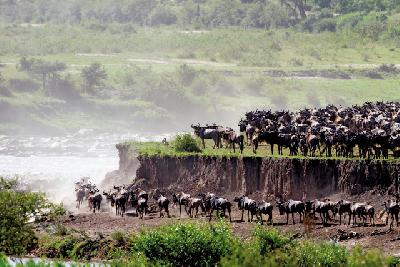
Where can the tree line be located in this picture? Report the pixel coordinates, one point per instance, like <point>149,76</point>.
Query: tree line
<point>186,13</point>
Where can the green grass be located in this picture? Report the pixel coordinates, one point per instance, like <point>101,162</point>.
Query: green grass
<point>264,150</point>
<point>225,61</point>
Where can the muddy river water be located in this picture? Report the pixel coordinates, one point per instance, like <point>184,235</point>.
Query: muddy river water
<point>53,164</point>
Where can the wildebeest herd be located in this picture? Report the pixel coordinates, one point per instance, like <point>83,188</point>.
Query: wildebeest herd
<point>122,198</point>
<point>372,128</point>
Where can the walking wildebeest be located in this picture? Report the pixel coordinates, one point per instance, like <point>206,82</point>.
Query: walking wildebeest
<point>291,207</point>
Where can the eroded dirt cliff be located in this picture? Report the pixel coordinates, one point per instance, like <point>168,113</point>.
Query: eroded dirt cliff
<point>289,177</point>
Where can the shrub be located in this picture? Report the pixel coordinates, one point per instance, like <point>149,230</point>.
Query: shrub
<point>324,254</point>
<point>57,247</point>
<point>269,240</point>
<point>296,62</point>
<point>23,85</point>
<point>372,258</point>
<point>388,68</point>
<point>4,91</point>
<point>86,249</point>
<point>185,244</point>
<point>118,238</point>
<point>328,24</point>
<point>371,29</point>
<point>186,143</point>
<point>16,208</point>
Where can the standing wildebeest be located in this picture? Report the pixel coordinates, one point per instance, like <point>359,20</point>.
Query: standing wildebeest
<point>208,132</point>
<point>323,209</point>
<point>343,208</point>
<point>194,204</point>
<point>181,199</point>
<point>142,204</point>
<point>392,208</point>
<point>163,204</point>
<point>218,204</point>
<point>80,194</point>
<point>95,199</point>
<point>265,208</point>
<point>120,200</point>
<point>248,129</point>
<point>245,203</point>
<point>291,207</point>
<point>358,210</point>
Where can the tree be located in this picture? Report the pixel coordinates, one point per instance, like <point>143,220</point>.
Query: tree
<point>93,76</point>
<point>41,68</point>
<point>16,208</point>
<point>47,70</point>
<point>297,6</point>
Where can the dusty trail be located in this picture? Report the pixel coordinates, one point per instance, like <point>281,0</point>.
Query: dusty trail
<point>106,222</point>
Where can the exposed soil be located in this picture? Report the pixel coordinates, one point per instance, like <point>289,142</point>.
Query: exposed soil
<point>369,236</point>
<point>261,179</point>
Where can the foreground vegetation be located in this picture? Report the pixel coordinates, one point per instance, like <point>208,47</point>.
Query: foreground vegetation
<point>17,208</point>
<point>197,244</point>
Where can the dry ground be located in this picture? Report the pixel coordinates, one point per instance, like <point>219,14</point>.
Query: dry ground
<point>377,236</point>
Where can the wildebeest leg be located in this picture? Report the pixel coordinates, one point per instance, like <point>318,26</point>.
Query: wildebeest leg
<point>242,215</point>
<point>391,221</point>
<point>204,144</point>
<point>248,215</point>
<point>180,210</point>
<point>209,220</point>
<point>293,218</point>
<point>197,211</point>
<point>287,218</point>
<point>261,218</point>
<point>272,149</point>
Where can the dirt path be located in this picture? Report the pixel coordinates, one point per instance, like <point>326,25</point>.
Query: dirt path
<point>368,237</point>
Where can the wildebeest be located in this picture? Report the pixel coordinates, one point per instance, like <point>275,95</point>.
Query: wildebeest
<point>208,132</point>
<point>193,205</point>
<point>215,203</point>
<point>265,208</point>
<point>142,206</point>
<point>95,199</point>
<point>323,209</point>
<point>291,207</point>
<point>343,208</point>
<point>392,208</point>
<point>120,198</point>
<point>358,210</point>
<point>181,199</point>
<point>163,204</point>
<point>80,195</point>
<point>245,203</point>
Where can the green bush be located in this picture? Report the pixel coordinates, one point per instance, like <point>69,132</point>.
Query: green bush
<point>328,24</point>
<point>86,249</point>
<point>323,254</point>
<point>372,258</point>
<point>269,240</point>
<point>186,143</point>
<point>16,209</point>
<point>188,244</point>
<point>60,248</point>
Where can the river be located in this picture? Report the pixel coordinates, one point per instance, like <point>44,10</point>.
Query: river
<point>53,164</point>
